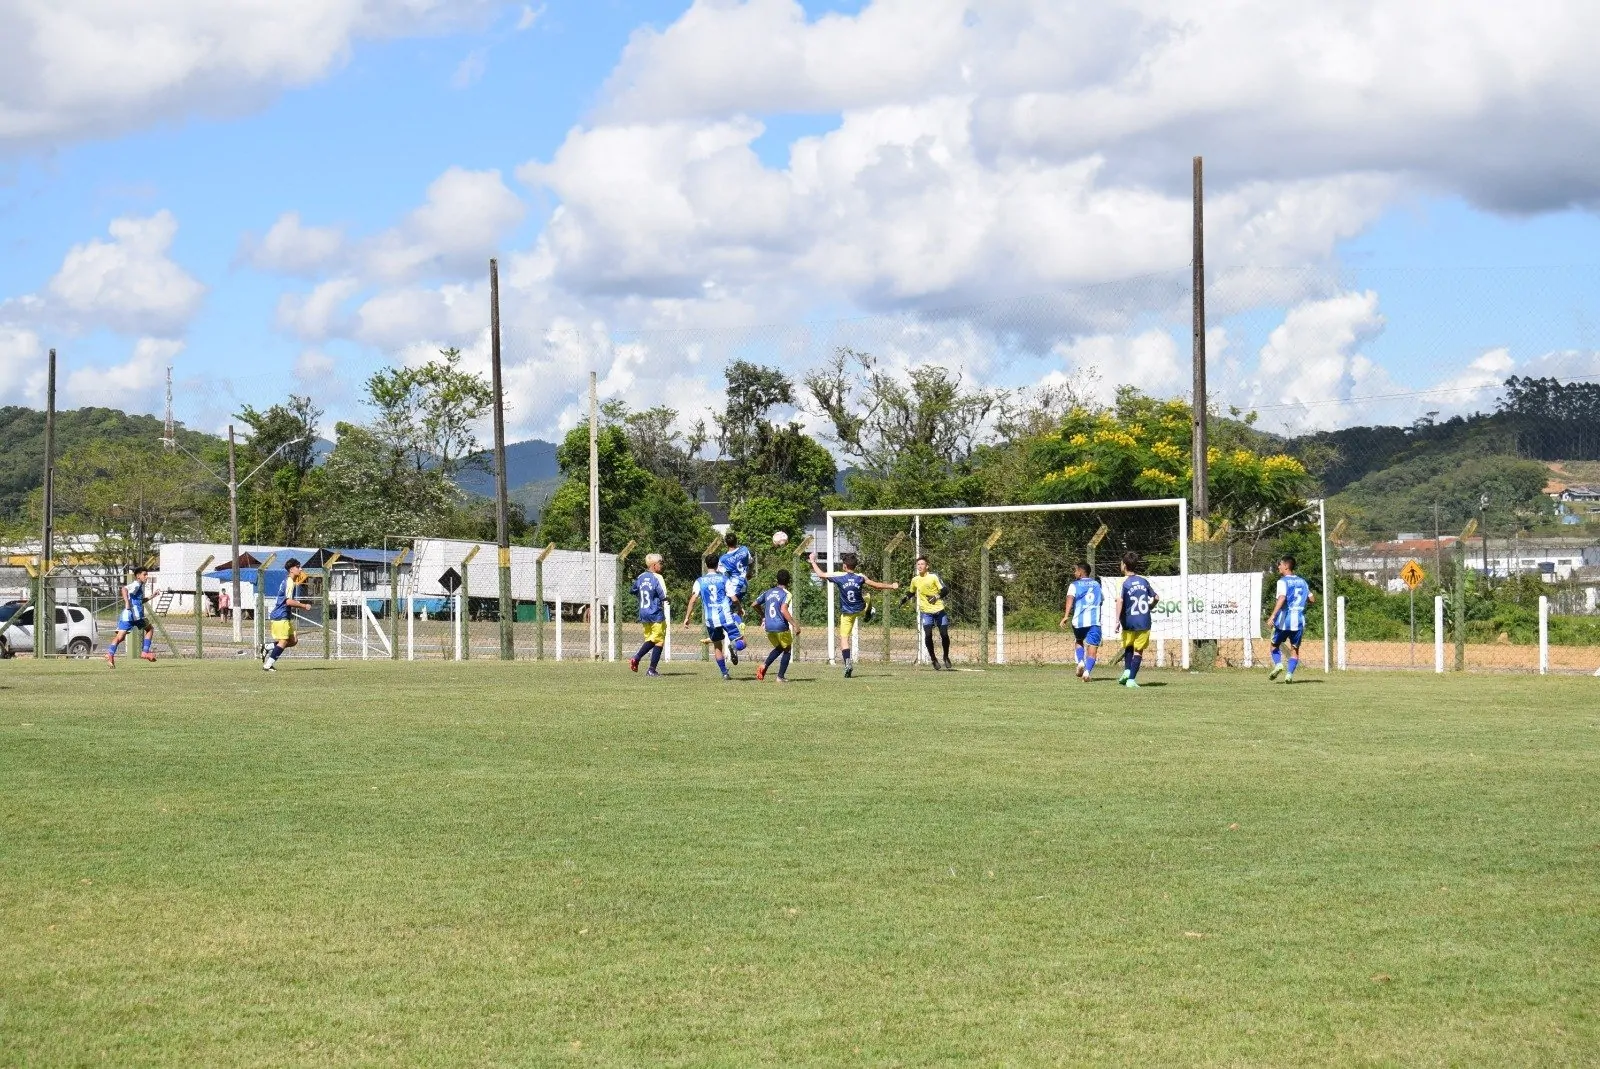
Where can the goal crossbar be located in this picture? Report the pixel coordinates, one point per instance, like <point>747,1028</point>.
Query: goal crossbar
<point>1180,504</point>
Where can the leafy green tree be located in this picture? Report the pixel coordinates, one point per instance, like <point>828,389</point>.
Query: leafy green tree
<point>370,490</point>
<point>635,503</point>
<point>773,473</point>
<point>279,502</point>
<point>428,413</point>
<point>131,496</point>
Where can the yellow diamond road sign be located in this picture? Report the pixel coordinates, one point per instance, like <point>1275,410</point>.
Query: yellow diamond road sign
<point>1413,575</point>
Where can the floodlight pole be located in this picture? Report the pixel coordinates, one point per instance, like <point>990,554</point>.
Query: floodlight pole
<point>501,503</point>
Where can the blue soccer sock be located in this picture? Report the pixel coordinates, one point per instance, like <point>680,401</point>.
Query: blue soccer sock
<point>1134,661</point>
<point>777,651</point>
<point>1088,665</point>
<point>1277,658</point>
<point>783,665</point>
<point>655,655</point>
<point>145,646</point>
<point>646,648</point>
<point>1078,656</point>
<point>1294,662</point>
<point>846,653</point>
<point>277,651</point>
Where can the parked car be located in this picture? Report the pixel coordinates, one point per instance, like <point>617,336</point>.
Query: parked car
<point>77,631</point>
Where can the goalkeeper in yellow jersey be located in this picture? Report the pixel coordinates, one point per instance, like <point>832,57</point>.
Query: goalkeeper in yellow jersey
<point>930,593</point>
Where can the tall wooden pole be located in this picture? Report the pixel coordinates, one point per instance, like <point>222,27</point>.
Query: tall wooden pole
<point>501,500</point>
<point>594,516</point>
<point>44,630</point>
<point>1201,506</point>
<point>233,536</point>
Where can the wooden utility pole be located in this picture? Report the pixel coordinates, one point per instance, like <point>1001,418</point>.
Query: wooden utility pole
<point>233,535</point>
<point>501,501</point>
<point>594,516</point>
<point>1201,505</point>
<point>44,627</point>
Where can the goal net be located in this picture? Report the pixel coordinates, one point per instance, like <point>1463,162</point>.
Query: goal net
<point>1007,570</point>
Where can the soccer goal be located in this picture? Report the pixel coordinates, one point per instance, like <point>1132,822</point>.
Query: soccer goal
<point>1007,569</point>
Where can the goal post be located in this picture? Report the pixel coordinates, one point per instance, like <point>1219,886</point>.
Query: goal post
<point>1036,548</point>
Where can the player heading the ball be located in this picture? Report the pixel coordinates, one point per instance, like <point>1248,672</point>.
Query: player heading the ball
<point>711,593</point>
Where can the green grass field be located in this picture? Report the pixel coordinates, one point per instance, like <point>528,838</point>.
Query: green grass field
<point>483,864</point>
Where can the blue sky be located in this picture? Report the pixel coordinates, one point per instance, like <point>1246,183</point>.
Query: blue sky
<point>755,163</point>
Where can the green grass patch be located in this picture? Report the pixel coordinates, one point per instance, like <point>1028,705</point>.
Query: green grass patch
<point>488,864</point>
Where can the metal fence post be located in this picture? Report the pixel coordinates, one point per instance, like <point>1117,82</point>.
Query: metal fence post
<point>464,634</point>
<point>1461,606</point>
<point>983,595</point>
<point>1544,635</point>
<point>327,586</point>
<point>538,602</point>
<point>394,604</point>
<point>199,609</point>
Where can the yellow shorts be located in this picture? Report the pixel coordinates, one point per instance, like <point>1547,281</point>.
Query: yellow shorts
<point>656,633</point>
<point>781,640</point>
<point>282,630</point>
<point>847,625</point>
<point>1137,641</point>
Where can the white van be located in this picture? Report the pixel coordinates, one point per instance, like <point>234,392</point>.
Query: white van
<point>77,631</point>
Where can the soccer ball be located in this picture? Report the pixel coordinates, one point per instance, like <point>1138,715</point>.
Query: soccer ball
<point>779,539</point>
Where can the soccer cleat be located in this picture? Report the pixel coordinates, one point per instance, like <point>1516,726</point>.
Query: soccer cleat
<point>1084,677</point>
<point>111,660</point>
<point>947,666</point>
<point>733,655</point>
<point>1289,678</point>
<point>653,673</point>
<point>633,664</point>
<point>1132,684</point>
<point>1277,670</point>
<point>1080,671</point>
<point>266,662</point>
<point>148,656</point>
<point>761,672</point>
<point>849,670</point>
<point>269,667</point>
<point>1125,676</point>
<point>935,665</point>
<point>783,679</point>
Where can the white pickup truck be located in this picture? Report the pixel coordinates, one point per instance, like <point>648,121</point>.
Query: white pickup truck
<point>77,632</point>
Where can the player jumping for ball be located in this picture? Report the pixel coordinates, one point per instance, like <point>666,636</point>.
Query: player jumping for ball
<point>1289,618</point>
<point>853,600</point>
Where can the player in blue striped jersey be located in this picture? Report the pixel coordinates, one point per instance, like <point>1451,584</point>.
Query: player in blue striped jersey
<point>739,566</point>
<point>853,600</point>
<point>132,618</point>
<point>652,595</point>
<point>711,593</point>
<point>1085,603</point>
<point>1289,618</point>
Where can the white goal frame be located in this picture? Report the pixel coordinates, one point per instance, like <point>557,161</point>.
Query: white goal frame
<point>1179,504</point>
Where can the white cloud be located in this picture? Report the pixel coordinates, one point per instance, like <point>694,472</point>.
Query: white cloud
<point>137,385</point>
<point>292,248</point>
<point>1098,364</point>
<point>77,68</point>
<point>1313,359</point>
<point>317,314</point>
<point>22,365</point>
<point>456,229</point>
<point>529,17</point>
<point>470,69</point>
<point>128,284</point>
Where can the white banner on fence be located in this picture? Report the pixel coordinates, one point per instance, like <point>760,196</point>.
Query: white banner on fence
<point>1226,605</point>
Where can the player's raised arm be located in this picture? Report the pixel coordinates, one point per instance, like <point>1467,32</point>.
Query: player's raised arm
<point>874,584</point>
<point>816,569</point>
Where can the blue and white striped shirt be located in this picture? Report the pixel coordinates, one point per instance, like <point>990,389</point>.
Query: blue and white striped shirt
<point>1088,600</point>
<point>1296,595</point>
<point>713,590</point>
